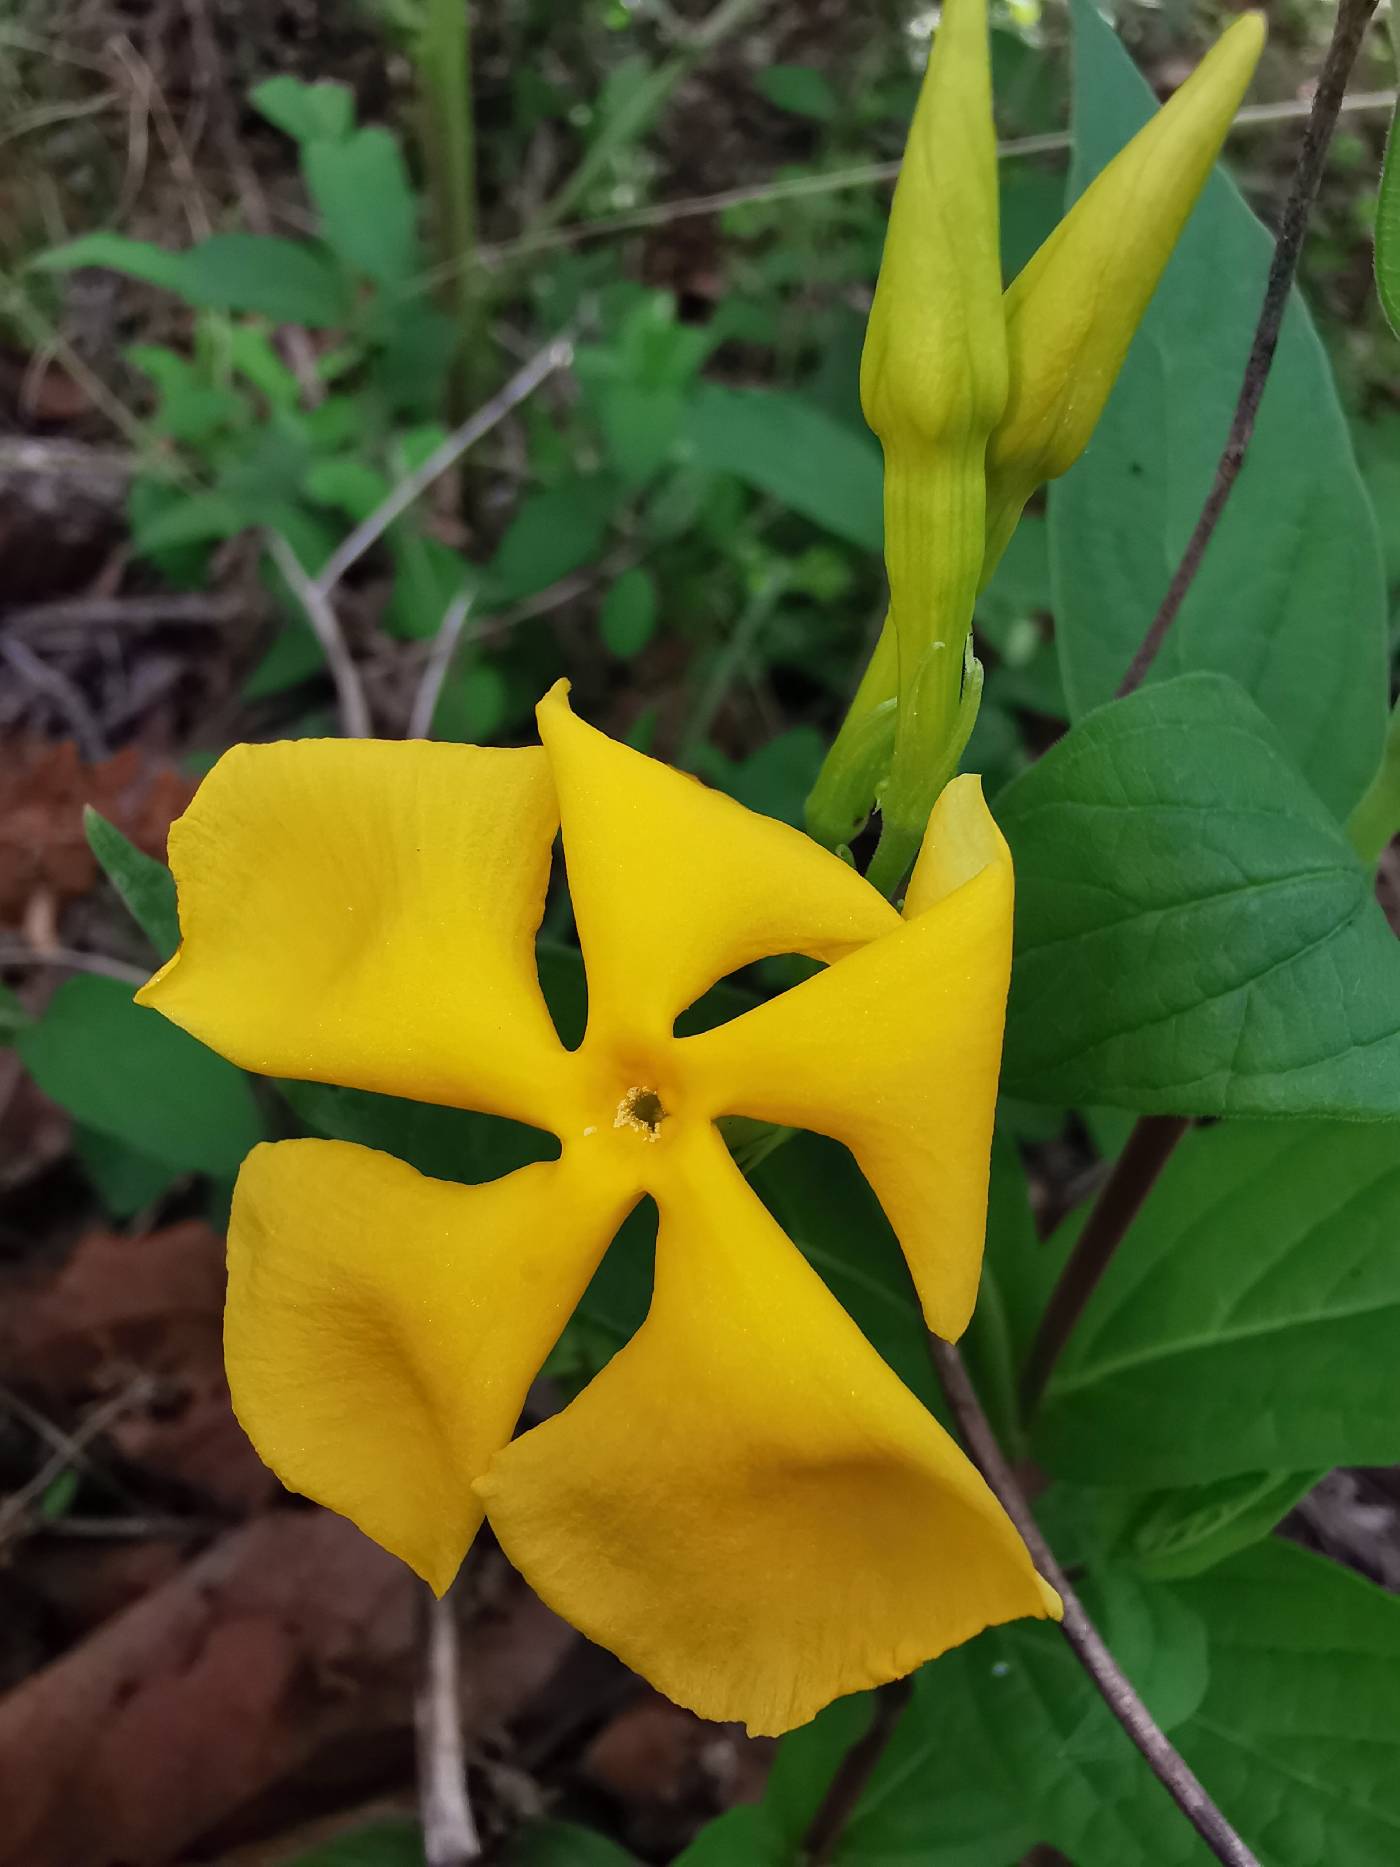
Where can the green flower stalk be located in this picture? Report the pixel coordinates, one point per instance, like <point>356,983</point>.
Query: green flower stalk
<point>978,403</point>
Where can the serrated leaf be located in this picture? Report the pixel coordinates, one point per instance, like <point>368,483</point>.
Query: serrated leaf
<point>1289,599</point>
<point>130,1073</point>
<point>285,280</point>
<point>147,887</point>
<point>1251,1320</point>
<point>789,447</point>
<point>1194,936</point>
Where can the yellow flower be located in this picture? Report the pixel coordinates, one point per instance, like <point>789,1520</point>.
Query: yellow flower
<point>746,1504</point>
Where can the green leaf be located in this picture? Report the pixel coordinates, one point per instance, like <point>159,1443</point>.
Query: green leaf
<point>1193,933</point>
<point>1160,1642</point>
<point>323,111</point>
<point>627,620</point>
<point>564,1844</point>
<point>1297,1738</point>
<point>1184,1532</point>
<point>1289,599</point>
<point>799,89</point>
<point>368,212</point>
<point>1388,228</point>
<point>124,1180</point>
<point>130,1073</point>
<point>146,886</point>
<point>1250,1322</point>
<point>784,445</point>
<point>554,533</point>
<point>285,280</point>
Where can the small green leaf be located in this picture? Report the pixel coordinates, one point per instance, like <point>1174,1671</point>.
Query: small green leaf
<point>128,1072</point>
<point>627,620</point>
<point>1175,1534</point>
<point>799,89</point>
<point>285,280</point>
<point>146,886</point>
<point>554,533</point>
<point>124,1180</point>
<point>787,446</point>
<point>368,212</point>
<point>58,1497</point>
<point>323,111</point>
<point>1194,935</point>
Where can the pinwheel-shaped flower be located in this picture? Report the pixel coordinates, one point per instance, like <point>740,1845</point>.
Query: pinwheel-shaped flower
<point>746,1504</point>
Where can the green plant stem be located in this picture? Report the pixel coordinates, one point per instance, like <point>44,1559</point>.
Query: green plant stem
<point>633,122</point>
<point>1376,818</point>
<point>445,78</point>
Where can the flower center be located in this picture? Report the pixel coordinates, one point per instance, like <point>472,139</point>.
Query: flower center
<point>640,1109</point>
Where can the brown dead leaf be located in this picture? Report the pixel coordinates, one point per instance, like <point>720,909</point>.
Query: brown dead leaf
<point>44,785</point>
<point>286,1635</point>
<point>151,1305</point>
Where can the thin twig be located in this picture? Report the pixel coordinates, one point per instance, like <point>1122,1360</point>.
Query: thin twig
<point>838,181</point>
<point>1353,16</point>
<point>449,633</point>
<point>16,1506</point>
<point>158,610</point>
<point>57,688</point>
<point>1149,1147</point>
<point>853,1774</point>
<point>557,354</point>
<point>1165,1762</point>
<point>320,613</point>
<point>449,1831</point>
<point>69,958</point>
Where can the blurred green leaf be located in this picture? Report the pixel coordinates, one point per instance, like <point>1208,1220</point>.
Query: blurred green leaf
<point>1160,1642</point>
<point>554,533</point>
<point>306,112</point>
<point>285,280</point>
<point>627,620</point>
<point>124,1179</point>
<point>1388,228</point>
<point>784,445</point>
<point>1174,1534</point>
<point>146,886</point>
<point>1223,1345</point>
<point>1194,935</point>
<point>800,89</point>
<point>130,1073</point>
<point>1289,598</point>
<point>368,212</point>
<point>565,1844</point>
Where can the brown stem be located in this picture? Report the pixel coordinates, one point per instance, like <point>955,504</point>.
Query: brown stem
<point>1149,1148</point>
<point>1166,1764</point>
<point>856,1768</point>
<point>1353,16</point>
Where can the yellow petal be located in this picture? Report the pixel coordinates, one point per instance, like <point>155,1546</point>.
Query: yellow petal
<point>896,1051</point>
<point>674,884</point>
<point>365,913</point>
<point>747,1505</point>
<point>962,839</point>
<point>382,1328</point>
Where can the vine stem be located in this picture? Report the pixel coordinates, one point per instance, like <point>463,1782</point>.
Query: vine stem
<point>1353,17</point>
<point>444,61</point>
<point>1135,1172</point>
<point>1166,1763</point>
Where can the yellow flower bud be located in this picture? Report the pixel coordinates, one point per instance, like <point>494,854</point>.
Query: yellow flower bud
<point>1072,312</point>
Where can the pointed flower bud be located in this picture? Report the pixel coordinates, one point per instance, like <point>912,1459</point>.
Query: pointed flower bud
<point>933,386</point>
<point>1073,311</point>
